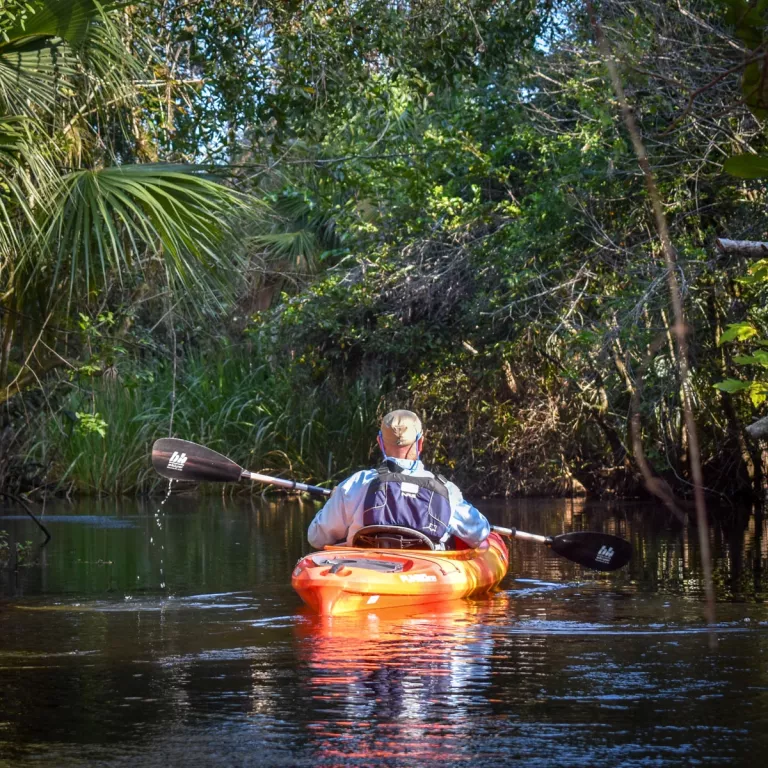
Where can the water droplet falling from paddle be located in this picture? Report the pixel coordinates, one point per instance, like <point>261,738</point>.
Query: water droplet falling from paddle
<point>159,524</point>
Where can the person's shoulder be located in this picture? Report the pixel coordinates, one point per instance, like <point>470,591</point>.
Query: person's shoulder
<point>451,486</point>
<point>454,492</point>
<point>358,479</point>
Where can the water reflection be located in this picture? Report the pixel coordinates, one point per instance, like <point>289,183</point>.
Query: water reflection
<point>108,547</point>
<point>101,665</point>
<point>380,684</point>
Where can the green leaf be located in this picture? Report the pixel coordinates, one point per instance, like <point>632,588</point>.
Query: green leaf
<point>748,21</point>
<point>110,218</point>
<point>757,393</point>
<point>90,423</point>
<point>737,332</point>
<point>747,166</point>
<point>67,19</point>
<point>759,358</point>
<point>732,385</point>
<point>759,271</point>
<point>754,87</point>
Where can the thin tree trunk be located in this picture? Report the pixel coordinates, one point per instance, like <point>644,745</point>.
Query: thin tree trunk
<point>680,328</point>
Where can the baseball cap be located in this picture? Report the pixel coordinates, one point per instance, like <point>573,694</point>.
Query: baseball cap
<point>401,428</point>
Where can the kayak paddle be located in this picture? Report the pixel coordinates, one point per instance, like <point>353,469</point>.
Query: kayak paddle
<point>182,460</point>
<point>599,551</point>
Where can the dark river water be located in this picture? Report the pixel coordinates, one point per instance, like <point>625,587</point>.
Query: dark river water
<point>173,638</point>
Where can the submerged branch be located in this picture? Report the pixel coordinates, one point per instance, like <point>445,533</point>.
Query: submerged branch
<point>23,504</point>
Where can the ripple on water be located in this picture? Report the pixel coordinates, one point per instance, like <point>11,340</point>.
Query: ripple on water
<point>221,667</point>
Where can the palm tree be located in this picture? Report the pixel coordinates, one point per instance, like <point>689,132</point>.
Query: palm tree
<point>77,215</point>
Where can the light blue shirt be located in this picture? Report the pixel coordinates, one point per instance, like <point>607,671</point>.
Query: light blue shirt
<point>342,515</point>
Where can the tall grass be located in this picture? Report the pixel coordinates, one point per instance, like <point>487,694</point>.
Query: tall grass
<point>261,416</point>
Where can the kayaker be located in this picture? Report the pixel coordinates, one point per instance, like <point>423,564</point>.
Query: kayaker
<point>400,492</point>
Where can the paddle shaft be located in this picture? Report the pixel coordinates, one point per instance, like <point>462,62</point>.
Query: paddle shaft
<point>280,482</point>
<point>513,533</point>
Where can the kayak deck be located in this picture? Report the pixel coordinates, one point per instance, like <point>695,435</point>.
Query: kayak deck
<point>344,579</point>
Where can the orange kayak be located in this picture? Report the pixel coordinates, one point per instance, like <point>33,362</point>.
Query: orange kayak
<point>346,579</point>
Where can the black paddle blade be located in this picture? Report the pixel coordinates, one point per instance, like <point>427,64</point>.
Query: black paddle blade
<point>599,551</point>
<point>182,460</point>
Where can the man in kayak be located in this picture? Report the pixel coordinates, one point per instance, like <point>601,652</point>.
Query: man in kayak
<point>399,493</point>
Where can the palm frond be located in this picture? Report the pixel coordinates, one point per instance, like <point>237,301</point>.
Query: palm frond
<point>32,73</point>
<point>117,219</point>
<point>49,46</point>
<point>299,246</point>
<point>23,168</point>
<point>69,20</point>
<point>300,232</point>
<point>21,140</point>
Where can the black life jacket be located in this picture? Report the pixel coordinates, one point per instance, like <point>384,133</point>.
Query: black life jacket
<point>420,503</point>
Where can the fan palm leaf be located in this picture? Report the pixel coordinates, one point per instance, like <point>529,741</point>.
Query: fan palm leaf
<point>300,232</point>
<point>53,43</point>
<point>114,220</point>
<point>23,167</point>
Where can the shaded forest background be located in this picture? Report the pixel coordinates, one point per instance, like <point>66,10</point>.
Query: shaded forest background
<point>261,225</point>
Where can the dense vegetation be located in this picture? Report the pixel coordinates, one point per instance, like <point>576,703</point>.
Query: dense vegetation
<point>432,204</point>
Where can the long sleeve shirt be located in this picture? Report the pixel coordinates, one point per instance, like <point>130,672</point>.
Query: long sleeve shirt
<point>342,515</point>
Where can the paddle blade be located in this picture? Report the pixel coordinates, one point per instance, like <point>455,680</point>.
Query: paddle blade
<point>182,460</point>
<point>599,551</point>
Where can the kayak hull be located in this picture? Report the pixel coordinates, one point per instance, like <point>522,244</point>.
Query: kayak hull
<point>343,579</point>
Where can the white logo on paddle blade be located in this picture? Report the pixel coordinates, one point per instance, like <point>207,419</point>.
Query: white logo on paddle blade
<point>177,461</point>
<point>605,555</point>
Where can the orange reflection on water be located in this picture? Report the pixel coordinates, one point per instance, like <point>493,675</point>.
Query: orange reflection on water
<point>402,684</point>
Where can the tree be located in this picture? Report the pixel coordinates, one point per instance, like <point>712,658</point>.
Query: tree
<point>78,218</point>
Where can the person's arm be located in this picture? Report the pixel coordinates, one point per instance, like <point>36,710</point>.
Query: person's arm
<point>332,522</point>
<point>467,522</point>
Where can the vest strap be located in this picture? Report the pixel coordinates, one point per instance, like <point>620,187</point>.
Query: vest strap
<point>390,472</point>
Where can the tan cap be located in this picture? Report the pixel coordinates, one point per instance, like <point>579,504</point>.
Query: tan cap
<point>401,428</point>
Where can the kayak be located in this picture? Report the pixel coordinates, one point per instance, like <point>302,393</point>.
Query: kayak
<point>342,579</point>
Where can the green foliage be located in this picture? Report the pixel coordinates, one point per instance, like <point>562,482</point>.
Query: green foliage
<point>749,23</point>
<point>737,332</point>
<point>90,423</point>
<point>451,217</point>
<point>747,166</point>
<point>23,551</point>
<point>78,218</point>
<point>100,217</point>
<point>233,402</point>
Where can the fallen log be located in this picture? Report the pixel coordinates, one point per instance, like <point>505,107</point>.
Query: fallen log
<point>751,248</point>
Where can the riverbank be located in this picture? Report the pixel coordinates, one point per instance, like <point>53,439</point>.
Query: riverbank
<point>93,436</point>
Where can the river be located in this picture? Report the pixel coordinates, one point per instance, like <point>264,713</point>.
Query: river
<point>164,636</point>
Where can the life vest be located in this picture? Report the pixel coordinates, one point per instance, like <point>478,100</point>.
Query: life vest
<point>420,503</point>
